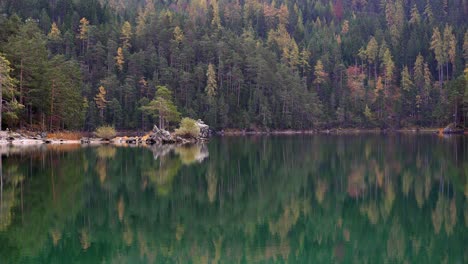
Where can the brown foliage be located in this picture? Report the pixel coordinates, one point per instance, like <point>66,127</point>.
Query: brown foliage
<point>66,135</point>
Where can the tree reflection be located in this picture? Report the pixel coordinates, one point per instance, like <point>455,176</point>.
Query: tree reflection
<point>263,199</point>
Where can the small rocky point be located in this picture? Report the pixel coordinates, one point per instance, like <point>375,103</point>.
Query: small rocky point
<point>161,136</point>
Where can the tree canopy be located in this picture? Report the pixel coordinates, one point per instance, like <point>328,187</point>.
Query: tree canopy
<point>246,65</point>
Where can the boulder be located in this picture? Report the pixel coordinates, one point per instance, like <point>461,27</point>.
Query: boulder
<point>453,129</point>
<point>205,131</point>
<point>159,136</point>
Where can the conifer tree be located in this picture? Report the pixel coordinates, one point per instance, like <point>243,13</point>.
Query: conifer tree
<point>119,59</point>
<point>101,101</point>
<point>437,46</point>
<point>162,107</point>
<point>126,35</point>
<point>211,82</point>
<point>7,84</point>
<point>83,32</point>
<point>320,74</point>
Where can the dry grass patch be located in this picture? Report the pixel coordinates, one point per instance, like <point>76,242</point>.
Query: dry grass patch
<point>65,135</point>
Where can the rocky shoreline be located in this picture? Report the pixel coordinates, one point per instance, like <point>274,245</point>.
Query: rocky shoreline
<point>162,137</point>
<point>156,136</point>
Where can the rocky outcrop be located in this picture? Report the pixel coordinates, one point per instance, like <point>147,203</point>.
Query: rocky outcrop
<point>159,136</point>
<point>453,129</point>
<point>205,131</point>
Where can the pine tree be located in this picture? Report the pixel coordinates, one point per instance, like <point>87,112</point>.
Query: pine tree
<point>418,71</point>
<point>54,33</point>
<point>428,14</point>
<point>389,66</point>
<point>465,47</point>
<point>163,107</point>
<point>437,47</point>
<point>65,102</point>
<point>55,39</point>
<point>216,21</point>
<point>83,33</point>
<point>126,35</point>
<point>119,59</point>
<point>178,35</point>
<point>211,83</point>
<point>427,81</point>
<point>27,53</point>
<point>7,85</point>
<point>415,18</point>
<point>447,35</point>
<point>450,41</point>
<point>406,82</point>
<point>101,101</point>
<point>372,52</point>
<point>368,114</point>
<point>320,74</point>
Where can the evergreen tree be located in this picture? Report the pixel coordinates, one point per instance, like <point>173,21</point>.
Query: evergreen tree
<point>211,83</point>
<point>162,107</point>
<point>101,101</point>
<point>7,92</point>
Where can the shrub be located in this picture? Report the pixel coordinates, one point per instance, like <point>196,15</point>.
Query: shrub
<point>105,132</point>
<point>188,128</point>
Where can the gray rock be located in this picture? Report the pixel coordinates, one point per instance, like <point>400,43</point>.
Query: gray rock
<point>453,129</point>
<point>205,131</point>
<point>159,136</point>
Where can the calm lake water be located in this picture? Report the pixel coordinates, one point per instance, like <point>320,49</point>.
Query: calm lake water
<point>293,199</point>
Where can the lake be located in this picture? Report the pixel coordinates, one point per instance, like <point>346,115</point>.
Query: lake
<point>287,199</point>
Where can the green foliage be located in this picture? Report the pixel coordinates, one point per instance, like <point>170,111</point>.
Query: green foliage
<point>105,132</point>
<point>162,107</point>
<point>188,128</point>
<point>10,107</point>
<point>246,64</point>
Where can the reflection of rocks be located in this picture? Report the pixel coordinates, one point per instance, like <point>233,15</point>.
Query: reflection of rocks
<point>192,153</point>
<point>106,152</point>
<point>161,150</point>
<point>188,154</point>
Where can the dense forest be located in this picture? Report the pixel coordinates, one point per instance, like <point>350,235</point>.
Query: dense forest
<point>246,64</point>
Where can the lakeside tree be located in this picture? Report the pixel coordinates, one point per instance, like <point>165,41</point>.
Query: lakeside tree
<point>100,100</point>
<point>162,107</point>
<point>8,103</point>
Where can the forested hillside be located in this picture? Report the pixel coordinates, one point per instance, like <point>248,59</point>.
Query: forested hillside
<point>255,64</point>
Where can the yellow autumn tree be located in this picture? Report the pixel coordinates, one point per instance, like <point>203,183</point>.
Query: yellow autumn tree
<point>126,35</point>
<point>100,100</point>
<point>83,32</point>
<point>54,33</point>
<point>119,59</point>
<point>320,74</point>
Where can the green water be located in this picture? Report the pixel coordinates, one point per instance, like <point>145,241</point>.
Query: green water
<point>291,199</point>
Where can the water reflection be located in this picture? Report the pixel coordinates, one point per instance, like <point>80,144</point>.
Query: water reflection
<point>263,199</point>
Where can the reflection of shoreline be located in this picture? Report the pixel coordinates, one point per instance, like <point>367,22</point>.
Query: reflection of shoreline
<point>6,150</point>
<point>188,154</point>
